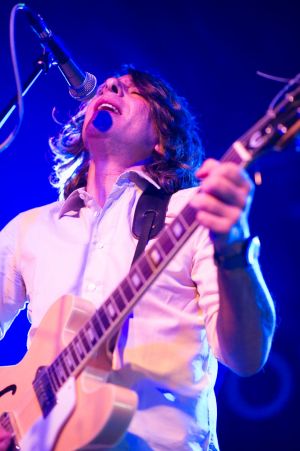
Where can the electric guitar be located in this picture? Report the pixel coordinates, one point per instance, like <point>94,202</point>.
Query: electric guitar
<point>56,398</point>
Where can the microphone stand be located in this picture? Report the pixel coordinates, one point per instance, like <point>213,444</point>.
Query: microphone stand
<point>43,64</point>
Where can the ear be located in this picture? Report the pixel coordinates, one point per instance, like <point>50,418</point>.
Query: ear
<point>159,148</point>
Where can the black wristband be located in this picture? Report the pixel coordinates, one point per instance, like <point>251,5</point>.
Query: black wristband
<point>239,255</point>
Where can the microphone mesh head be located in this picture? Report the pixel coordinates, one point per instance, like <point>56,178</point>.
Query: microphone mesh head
<point>86,90</point>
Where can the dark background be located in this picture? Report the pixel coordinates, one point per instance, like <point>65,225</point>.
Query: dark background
<point>210,52</point>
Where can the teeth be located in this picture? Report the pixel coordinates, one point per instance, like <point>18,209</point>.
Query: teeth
<point>108,106</point>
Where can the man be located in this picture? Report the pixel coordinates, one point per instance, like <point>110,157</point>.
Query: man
<point>201,309</point>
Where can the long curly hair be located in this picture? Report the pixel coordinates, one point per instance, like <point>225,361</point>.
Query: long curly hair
<point>178,134</point>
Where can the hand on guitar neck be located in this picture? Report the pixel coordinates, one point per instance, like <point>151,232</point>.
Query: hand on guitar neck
<point>223,202</point>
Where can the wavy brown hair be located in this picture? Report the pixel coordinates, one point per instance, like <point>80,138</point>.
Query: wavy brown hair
<point>178,133</point>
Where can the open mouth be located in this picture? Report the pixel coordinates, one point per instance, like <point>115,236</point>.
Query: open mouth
<point>108,107</point>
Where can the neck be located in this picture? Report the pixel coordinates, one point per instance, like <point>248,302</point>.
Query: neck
<point>102,177</point>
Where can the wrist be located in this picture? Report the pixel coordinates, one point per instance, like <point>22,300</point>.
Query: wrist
<point>240,254</point>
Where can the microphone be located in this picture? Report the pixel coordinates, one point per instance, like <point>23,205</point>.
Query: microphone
<point>82,85</point>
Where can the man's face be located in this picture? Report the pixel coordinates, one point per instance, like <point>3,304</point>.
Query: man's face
<point>119,117</point>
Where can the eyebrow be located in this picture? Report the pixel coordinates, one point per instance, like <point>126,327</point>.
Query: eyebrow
<point>130,84</point>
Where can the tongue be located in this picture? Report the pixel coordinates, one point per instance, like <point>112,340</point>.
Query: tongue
<point>103,121</point>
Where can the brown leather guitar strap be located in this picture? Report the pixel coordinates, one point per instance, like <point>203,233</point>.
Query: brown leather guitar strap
<point>149,216</point>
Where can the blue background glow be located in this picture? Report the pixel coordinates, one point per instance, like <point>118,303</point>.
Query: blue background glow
<point>210,52</point>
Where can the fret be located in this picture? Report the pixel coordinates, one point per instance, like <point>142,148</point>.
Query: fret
<point>111,309</point>
<point>117,296</point>
<point>79,347</point>
<point>237,153</point>
<point>135,278</point>
<point>53,378</point>
<point>177,228</point>
<point>106,314</point>
<point>166,242</point>
<point>68,359</point>
<point>144,267</point>
<point>97,325</point>
<point>188,215</point>
<point>130,283</point>
<point>73,352</point>
<point>63,364</point>
<point>84,341</point>
<point>59,372</point>
<point>126,288</point>
<point>104,319</point>
<point>90,333</point>
<point>155,255</point>
<point>232,156</point>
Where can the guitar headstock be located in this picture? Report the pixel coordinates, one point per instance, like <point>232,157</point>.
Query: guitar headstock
<point>274,130</point>
<point>288,117</point>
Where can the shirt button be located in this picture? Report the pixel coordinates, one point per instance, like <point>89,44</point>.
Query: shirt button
<point>99,246</point>
<point>91,286</point>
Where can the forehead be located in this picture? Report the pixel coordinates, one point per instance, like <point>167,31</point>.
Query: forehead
<point>126,79</point>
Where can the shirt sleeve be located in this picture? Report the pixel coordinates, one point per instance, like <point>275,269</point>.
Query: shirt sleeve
<point>204,275</point>
<point>12,287</point>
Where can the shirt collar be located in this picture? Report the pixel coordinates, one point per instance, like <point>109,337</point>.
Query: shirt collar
<point>81,198</point>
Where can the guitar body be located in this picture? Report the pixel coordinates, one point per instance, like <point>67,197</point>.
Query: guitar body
<point>101,412</point>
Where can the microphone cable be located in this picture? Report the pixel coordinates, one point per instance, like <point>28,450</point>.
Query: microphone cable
<point>20,102</point>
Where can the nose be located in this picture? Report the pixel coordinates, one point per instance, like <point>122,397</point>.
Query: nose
<point>113,84</point>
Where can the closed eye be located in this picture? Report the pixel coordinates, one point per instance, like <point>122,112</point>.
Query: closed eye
<point>137,93</point>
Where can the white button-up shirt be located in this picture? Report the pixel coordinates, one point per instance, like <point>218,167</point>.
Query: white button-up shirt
<point>168,351</point>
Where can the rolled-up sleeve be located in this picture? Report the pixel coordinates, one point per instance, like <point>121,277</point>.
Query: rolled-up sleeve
<point>12,287</point>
